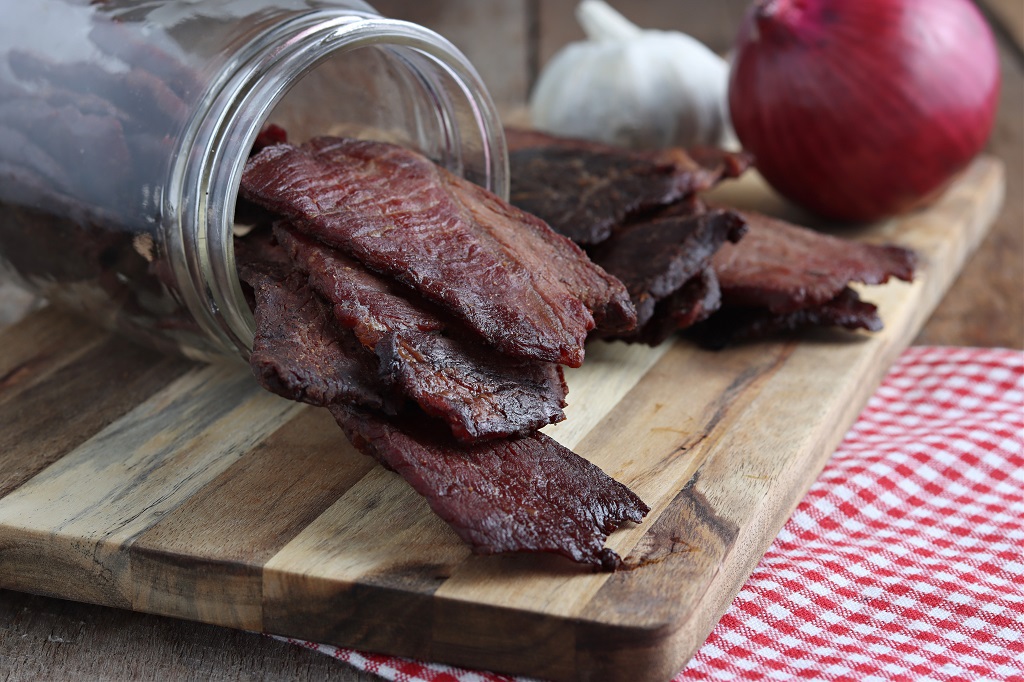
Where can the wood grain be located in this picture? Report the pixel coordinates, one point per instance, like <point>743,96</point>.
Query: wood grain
<point>215,501</point>
<point>202,560</point>
<point>66,531</point>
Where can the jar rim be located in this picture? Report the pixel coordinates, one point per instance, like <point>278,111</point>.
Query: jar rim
<point>209,174</point>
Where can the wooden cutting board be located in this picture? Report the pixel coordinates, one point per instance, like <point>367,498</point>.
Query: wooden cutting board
<point>149,483</point>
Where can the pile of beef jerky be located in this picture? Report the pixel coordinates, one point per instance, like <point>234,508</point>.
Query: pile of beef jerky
<point>431,317</point>
<point>722,275</point>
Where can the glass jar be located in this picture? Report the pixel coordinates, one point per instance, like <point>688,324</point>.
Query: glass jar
<point>125,126</point>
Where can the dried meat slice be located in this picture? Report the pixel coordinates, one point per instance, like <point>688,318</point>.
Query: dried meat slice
<point>736,324</point>
<point>528,291</point>
<point>481,396</point>
<point>656,255</point>
<point>585,189</point>
<point>785,268</point>
<point>693,302</point>
<point>371,305</point>
<point>427,354</point>
<point>526,494</point>
<point>300,352</point>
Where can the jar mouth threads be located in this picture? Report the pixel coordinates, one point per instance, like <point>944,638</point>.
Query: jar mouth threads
<point>375,77</point>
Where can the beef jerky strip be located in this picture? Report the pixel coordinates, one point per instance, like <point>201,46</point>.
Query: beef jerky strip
<point>60,132</point>
<point>153,106</point>
<point>585,189</point>
<point>654,256</point>
<point>783,267</point>
<point>300,352</point>
<point>693,302</point>
<point>400,214</point>
<point>479,393</point>
<point>117,40</point>
<point>735,324</point>
<point>526,494</point>
<point>551,261</point>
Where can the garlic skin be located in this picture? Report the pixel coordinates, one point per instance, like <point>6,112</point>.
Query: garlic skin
<point>628,86</point>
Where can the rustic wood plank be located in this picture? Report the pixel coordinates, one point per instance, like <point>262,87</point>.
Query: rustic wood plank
<point>38,346</point>
<point>54,639</point>
<point>204,561</point>
<point>73,400</point>
<point>613,369</point>
<point>124,479</point>
<point>341,560</point>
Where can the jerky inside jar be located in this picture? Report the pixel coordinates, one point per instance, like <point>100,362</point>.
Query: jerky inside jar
<point>124,129</point>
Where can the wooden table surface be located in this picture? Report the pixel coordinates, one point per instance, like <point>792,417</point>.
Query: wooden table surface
<point>43,638</point>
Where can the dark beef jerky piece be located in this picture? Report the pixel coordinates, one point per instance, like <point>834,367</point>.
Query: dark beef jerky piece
<point>371,305</point>
<point>693,302</point>
<point>522,244</point>
<point>260,247</point>
<point>584,189</point>
<point>784,268</point>
<point>656,255</point>
<point>479,393</point>
<point>529,292</point>
<point>270,135</point>
<point>117,40</point>
<point>142,96</point>
<point>60,131</point>
<point>737,324</point>
<point>300,352</point>
<point>526,494</point>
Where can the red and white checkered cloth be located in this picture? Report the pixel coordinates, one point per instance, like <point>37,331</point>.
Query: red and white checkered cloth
<point>905,560</point>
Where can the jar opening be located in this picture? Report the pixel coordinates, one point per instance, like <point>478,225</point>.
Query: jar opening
<point>325,74</point>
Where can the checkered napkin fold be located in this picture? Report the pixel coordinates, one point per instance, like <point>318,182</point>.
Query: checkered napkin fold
<point>904,561</point>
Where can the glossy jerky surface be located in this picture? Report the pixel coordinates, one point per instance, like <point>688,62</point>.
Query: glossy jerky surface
<point>735,324</point>
<point>585,189</point>
<point>525,494</point>
<point>430,356</point>
<point>656,255</point>
<point>457,245</point>
<point>300,352</point>
<point>691,303</point>
<point>480,395</point>
<point>783,267</point>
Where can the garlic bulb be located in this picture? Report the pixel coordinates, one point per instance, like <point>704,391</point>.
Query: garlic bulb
<point>633,87</point>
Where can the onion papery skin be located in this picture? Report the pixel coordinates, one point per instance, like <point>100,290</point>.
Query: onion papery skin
<point>862,109</point>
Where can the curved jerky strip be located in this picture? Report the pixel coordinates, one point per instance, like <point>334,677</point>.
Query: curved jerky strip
<point>691,303</point>
<point>526,494</point>
<point>300,352</point>
<point>585,189</point>
<point>371,305</point>
<point>735,324</point>
<point>400,214</point>
<point>558,270</point>
<point>656,255</point>
<point>783,267</point>
<point>479,393</point>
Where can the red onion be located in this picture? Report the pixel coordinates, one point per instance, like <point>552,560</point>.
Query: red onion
<point>860,109</point>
